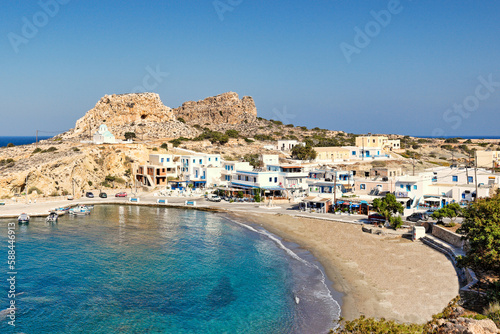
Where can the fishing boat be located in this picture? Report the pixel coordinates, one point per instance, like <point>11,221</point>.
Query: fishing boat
<point>52,218</point>
<point>23,218</point>
<point>80,210</point>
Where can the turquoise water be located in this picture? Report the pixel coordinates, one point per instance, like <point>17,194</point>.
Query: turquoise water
<point>157,270</point>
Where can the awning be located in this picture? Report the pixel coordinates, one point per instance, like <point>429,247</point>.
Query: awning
<point>273,188</point>
<point>355,205</point>
<point>340,202</point>
<point>364,202</point>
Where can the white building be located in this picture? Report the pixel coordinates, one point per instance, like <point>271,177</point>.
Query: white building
<point>287,145</point>
<point>103,136</point>
<point>229,169</point>
<point>366,153</point>
<point>269,159</point>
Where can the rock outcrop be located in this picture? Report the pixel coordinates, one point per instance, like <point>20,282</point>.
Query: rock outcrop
<point>142,113</point>
<point>226,108</point>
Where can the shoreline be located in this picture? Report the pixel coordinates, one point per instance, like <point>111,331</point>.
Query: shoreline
<point>381,277</point>
<point>362,293</point>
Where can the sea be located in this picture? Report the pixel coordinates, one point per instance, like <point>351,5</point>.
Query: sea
<point>132,269</point>
<point>20,140</point>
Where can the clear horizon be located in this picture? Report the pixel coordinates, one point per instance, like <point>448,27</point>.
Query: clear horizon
<point>393,67</point>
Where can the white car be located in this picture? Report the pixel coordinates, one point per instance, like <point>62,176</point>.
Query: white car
<point>213,198</point>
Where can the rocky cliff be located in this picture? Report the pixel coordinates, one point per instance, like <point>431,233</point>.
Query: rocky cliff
<point>226,108</point>
<point>142,113</point>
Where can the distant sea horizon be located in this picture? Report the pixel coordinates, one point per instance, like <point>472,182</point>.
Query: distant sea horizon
<point>463,137</point>
<point>20,140</point>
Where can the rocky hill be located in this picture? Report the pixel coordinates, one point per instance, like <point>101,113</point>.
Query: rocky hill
<point>225,108</point>
<point>142,113</point>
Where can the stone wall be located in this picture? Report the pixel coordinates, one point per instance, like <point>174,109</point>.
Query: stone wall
<point>448,236</point>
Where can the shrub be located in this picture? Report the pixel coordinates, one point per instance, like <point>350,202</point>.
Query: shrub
<point>289,126</point>
<point>90,183</point>
<point>129,135</point>
<point>37,150</point>
<point>165,146</point>
<point>10,145</point>
<point>493,312</point>
<point>33,189</point>
<point>180,119</point>
<point>65,193</point>
<point>232,133</point>
<point>371,325</point>
<point>76,149</point>
<point>303,128</point>
<point>396,222</point>
<point>249,140</point>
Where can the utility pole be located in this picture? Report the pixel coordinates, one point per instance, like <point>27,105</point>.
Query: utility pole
<point>36,141</point>
<point>475,176</point>
<point>413,163</point>
<point>335,190</point>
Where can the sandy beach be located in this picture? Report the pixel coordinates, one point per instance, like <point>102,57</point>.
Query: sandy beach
<point>379,276</point>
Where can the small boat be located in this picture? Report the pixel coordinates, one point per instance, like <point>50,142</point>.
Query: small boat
<point>80,210</point>
<point>52,218</point>
<point>23,218</point>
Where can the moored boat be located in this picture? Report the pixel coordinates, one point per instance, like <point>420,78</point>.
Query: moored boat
<point>79,211</point>
<point>23,218</point>
<point>52,218</point>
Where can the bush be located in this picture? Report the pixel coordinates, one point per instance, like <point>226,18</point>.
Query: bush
<point>33,189</point>
<point>90,183</point>
<point>396,222</point>
<point>303,128</point>
<point>76,149</point>
<point>232,133</point>
<point>51,149</point>
<point>180,119</point>
<point>493,312</point>
<point>37,150</point>
<point>452,140</point>
<point>10,145</point>
<point>371,325</point>
<point>129,135</point>
<point>249,140</point>
<point>165,146</point>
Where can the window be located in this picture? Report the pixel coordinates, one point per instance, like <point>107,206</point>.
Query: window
<point>470,179</point>
<point>168,159</point>
<point>455,178</point>
<point>353,152</point>
<point>415,187</point>
<point>201,161</point>
<point>209,159</point>
<point>408,187</point>
<point>194,161</point>
<point>275,179</point>
<point>270,179</point>
<point>254,179</point>
<point>216,159</point>
<point>362,186</point>
<point>402,186</point>
<point>162,159</point>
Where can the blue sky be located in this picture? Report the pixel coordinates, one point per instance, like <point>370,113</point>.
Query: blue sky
<point>405,75</point>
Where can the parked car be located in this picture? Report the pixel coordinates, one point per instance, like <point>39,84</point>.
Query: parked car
<point>213,198</point>
<point>70,198</point>
<point>376,217</point>
<point>418,216</point>
<point>89,194</point>
<point>103,195</point>
<point>121,194</point>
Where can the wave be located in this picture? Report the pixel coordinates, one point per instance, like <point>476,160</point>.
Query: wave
<point>324,293</point>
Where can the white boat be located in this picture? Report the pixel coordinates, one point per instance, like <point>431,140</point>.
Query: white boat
<point>23,218</point>
<point>52,218</point>
<point>80,210</point>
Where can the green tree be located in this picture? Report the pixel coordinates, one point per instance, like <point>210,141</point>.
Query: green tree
<point>452,211</point>
<point>304,152</point>
<point>388,206</point>
<point>481,228</point>
<point>129,135</point>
